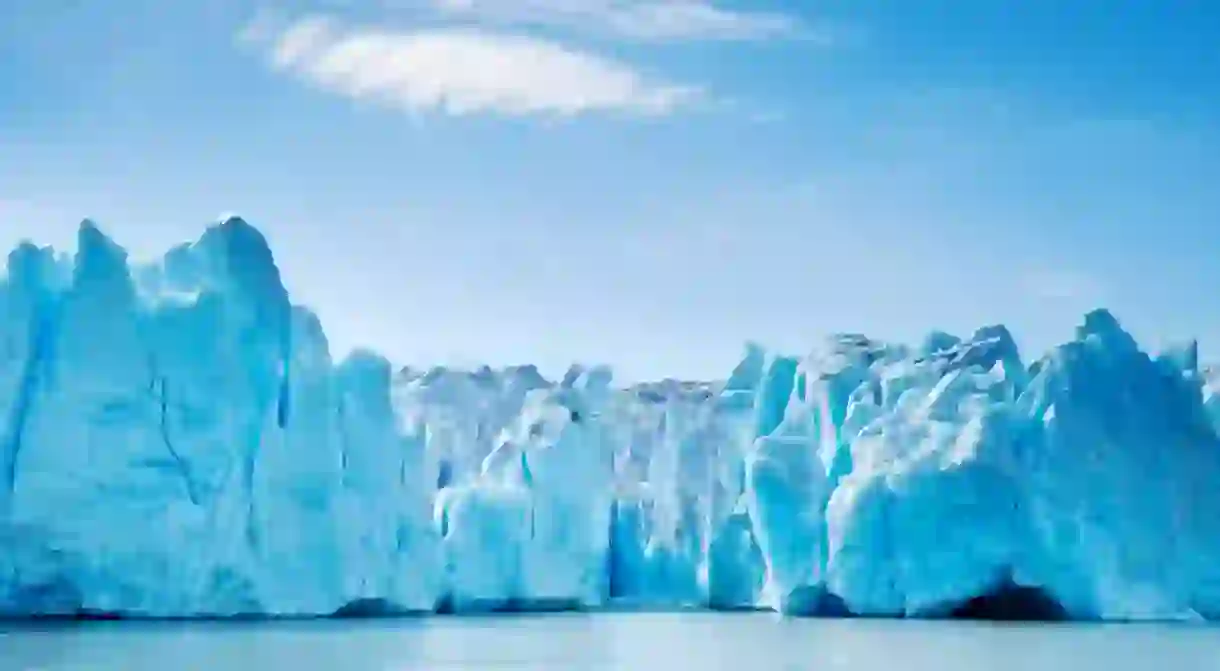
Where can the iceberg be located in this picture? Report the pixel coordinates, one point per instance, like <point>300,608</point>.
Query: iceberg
<point>176,440</point>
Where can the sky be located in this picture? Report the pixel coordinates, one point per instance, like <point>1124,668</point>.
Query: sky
<point>645,183</point>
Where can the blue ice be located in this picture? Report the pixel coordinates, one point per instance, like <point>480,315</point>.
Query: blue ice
<point>176,440</point>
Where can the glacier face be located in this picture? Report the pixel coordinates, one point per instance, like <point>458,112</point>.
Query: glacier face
<point>178,442</point>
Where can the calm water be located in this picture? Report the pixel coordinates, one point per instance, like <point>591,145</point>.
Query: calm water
<point>635,642</point>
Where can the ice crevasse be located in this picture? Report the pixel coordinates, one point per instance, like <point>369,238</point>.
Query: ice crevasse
<point>176,441</point>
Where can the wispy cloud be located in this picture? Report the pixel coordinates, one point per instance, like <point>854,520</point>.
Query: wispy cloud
<point>462,71</point>
<point>1061,285</point>
<point>652,20</point>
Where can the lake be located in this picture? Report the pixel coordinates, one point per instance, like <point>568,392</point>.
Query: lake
<point>619,641</point>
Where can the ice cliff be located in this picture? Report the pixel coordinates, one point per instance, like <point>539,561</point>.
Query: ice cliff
<point>177,441</point>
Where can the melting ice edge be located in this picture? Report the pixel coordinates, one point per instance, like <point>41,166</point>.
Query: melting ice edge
<point>177,442</point>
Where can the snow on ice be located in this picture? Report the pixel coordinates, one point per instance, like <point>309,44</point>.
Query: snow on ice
<point>177,442</point>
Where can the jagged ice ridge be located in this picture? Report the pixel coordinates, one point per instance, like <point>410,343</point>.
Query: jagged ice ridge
<point>177,442</point>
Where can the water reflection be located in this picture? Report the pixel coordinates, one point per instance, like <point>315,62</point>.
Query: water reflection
<point>627,642</point>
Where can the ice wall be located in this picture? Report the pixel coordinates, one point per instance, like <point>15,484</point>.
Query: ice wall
<point>175,440</point>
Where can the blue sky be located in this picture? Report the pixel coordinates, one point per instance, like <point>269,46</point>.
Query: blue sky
<point>642,182</point>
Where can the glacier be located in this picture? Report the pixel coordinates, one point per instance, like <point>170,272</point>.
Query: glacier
<point>177,441</point>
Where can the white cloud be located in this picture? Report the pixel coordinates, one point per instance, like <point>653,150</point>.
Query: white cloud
<point>463,71</point>
<point>635,19</point>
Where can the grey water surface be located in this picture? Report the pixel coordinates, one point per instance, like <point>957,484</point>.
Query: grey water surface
<point>619,641</point>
